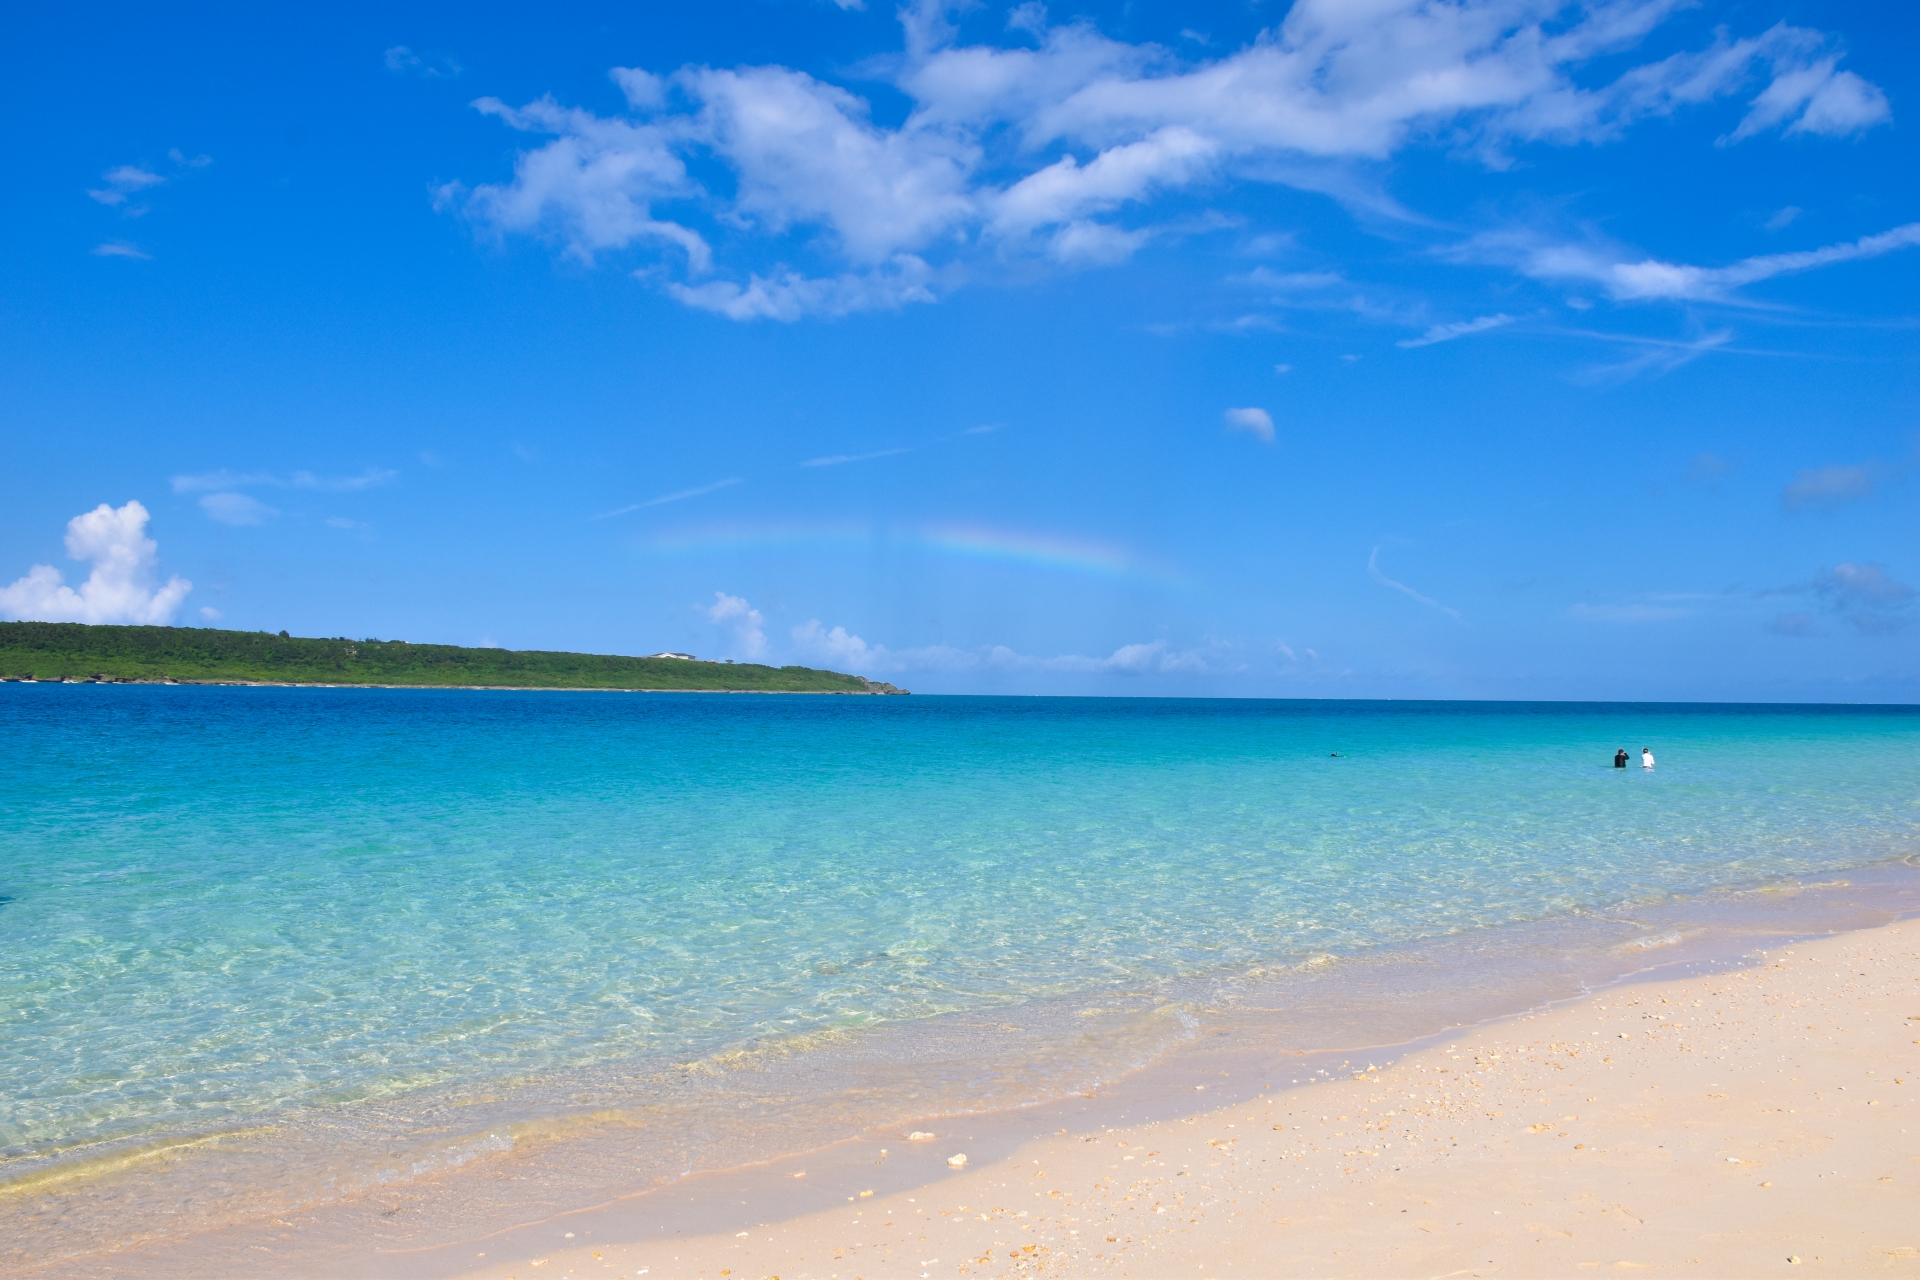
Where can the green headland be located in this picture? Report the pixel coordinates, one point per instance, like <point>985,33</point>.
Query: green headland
<point>196,655</point>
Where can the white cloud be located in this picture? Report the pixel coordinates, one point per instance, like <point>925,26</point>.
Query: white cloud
<point>1459,329</point>
<point>211,614</point>
<point>1627,613</point>
<point>1783,218</point>
<point>840,649</point>
<point>591,188</point>
<point>1373,571</point>
<point>1829,488</point>
<point>1650,279</point>
<point>1290,281</point>
<point>123,181</point>
<point>677,496</point>
<point>401,58</point>
<point>1257,421</point>
<point>837,459</point>
<point>1017,148</point>
<point>735,614</point>
<point>805,152</point>
<point>1657,356</point>
<point>1818,99</point>
<point>120,587</point>
<point>371,478</point>
<point>792,295</point>
<point>121,249</point>
<point>236,509</point>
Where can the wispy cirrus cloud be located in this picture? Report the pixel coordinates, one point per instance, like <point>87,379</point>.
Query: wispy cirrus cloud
<point>371,478</point>
<point>679,495</point>
<point>1830,488</point>
<point>1458,329</point>
<point>237,509</point>
<point>1374,571</point>
<point>123,181</point>
<point>435,66</point>
<point>1654,356</point>
<point>838,648</point>
<point>224,502</point>
<point>1627,613</point>
<point>1629,279</point>
<point>840,459</point>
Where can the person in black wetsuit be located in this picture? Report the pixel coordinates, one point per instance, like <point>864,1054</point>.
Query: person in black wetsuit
<point>1620,758</point>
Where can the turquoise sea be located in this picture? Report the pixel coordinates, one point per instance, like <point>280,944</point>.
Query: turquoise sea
<point>385,927</point>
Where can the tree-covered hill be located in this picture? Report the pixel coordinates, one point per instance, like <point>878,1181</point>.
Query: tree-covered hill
<point>75,651</point>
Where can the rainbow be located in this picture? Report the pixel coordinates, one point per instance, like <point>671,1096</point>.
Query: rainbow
<point>978,543</point>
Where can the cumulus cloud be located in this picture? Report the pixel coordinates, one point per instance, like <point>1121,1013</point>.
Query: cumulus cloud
<point>1829,488</point>
<point>1257,421</point>
<point>1459,329</point>
<point>592,188</point>
<point>119,589</point>
<point>743,620</point>
<point>1049,143</point>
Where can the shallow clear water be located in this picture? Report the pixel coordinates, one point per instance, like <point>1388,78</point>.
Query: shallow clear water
<point>227,906</point>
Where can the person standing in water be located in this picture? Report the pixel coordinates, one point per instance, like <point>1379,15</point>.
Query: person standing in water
<point>1646,757</point>
<point>1620,758</point>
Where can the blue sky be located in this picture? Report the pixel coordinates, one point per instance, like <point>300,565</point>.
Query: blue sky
<point>1385,349</point>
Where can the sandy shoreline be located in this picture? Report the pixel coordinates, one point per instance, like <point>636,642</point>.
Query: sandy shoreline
<point>1746,1122</point>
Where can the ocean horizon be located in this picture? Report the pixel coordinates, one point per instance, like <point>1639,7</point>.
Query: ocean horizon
<point>268,948</point>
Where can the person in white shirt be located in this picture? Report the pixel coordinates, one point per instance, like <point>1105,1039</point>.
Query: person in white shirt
<point>1646,757</point>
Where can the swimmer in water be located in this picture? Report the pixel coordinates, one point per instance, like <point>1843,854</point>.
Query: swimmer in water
<point>1620,758</point>
<point>1646,757</point>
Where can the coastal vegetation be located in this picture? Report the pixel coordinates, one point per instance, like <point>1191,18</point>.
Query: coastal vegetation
<point>196,655</point>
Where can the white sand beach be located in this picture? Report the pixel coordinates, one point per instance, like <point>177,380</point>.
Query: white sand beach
<point>1752,1122</point>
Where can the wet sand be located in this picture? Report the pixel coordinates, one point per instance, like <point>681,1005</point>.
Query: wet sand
<point>1749,1122</point>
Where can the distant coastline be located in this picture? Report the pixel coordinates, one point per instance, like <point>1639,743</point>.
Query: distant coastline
<point>75,653</point>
